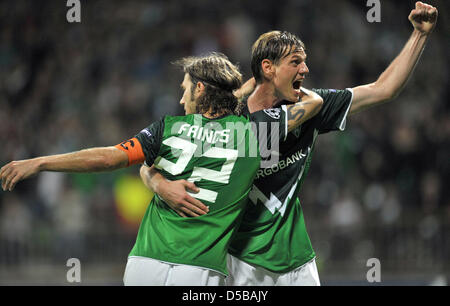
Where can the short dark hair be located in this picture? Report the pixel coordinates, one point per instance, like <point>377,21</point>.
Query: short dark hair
<point>273,46</point>
<point>220,78</point>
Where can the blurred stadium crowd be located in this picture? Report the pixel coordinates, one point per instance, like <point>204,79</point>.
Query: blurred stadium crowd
<point>376,190</point>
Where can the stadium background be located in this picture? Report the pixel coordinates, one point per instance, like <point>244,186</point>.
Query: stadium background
<point>375,191</point>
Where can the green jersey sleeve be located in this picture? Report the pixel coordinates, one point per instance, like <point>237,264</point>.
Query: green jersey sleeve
<point>150,139</point>
<point>336,105</point>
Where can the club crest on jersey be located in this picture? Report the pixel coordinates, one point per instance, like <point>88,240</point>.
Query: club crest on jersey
<point>273,112</point>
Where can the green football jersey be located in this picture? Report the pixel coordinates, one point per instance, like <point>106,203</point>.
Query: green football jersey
<point>221,156</point>
<point>273,233</point>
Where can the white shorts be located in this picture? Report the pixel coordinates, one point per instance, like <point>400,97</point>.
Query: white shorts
<point>244,274</point>
<point>143,271</point>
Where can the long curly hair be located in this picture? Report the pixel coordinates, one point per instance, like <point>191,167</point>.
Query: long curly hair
<point>220,78</point>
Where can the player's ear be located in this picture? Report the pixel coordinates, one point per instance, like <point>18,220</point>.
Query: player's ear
<point>268,68</point>
<point>199,88</point>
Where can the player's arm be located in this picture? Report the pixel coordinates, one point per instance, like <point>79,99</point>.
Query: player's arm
<point>88,160</point>
<point>308,107</point>
<point>393,79</point>
<point>99,159</point>
<point>174,193</point>
<point>245,89</point>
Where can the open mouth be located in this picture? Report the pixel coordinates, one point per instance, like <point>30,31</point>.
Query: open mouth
<point>297,84</point>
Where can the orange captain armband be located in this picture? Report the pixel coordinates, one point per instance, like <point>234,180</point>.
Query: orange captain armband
<point>134,151</point>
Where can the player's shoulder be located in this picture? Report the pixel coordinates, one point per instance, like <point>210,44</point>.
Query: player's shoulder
<point>268,114</point>
<point>172,117</point>
<point>169,120</point>
<point>330,90</point>
<point>326,92</point>
<point>200,120</point>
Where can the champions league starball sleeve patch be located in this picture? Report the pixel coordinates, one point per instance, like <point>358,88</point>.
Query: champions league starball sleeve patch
<point>273,112</point>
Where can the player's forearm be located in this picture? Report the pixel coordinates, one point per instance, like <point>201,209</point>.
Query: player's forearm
<point>152,178</point>
<point>313,98</point>
<point>314,102</point>
<point>308,107</point>
<point>245,89</point>
<point>394,78</point>
<point>88,160</point>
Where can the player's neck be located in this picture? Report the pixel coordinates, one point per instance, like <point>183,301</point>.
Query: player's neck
<point>216,115</point>
<point>263,97</point>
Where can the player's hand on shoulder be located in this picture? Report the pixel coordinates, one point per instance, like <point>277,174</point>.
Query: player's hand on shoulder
<point>423,17</point>
<point>15,171</point>
<point>175,194</point>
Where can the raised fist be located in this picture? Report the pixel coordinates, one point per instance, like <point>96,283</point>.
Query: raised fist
<point>423,17</point>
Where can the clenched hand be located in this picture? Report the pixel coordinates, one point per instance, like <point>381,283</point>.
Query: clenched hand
<point>423,17</point>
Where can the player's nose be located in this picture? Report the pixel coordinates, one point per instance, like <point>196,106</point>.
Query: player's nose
<point>303,68</point>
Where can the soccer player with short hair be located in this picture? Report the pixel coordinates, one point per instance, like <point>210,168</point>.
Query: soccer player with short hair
<point>272,246</point>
